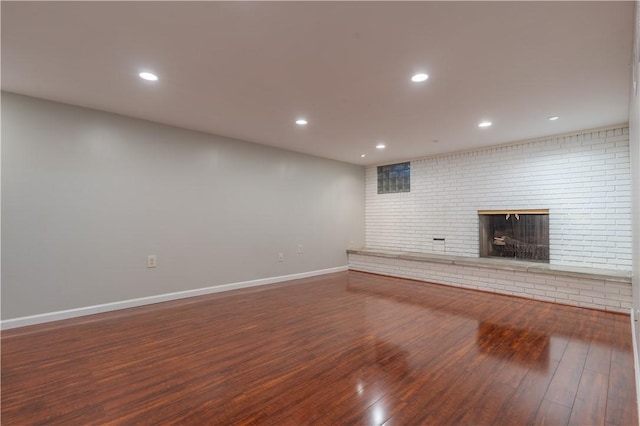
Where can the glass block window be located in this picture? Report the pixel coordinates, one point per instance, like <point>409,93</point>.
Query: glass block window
<point>394,178</point>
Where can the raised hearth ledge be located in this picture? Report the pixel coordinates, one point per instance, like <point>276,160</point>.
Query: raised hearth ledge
<point>504,264</point>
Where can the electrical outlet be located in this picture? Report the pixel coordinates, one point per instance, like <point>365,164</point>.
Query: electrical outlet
<point>280,257</point>
<point>151,261</point>
<point>300,249</point>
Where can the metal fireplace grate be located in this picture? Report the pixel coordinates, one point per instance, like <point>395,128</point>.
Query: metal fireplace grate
<point>515,234</point>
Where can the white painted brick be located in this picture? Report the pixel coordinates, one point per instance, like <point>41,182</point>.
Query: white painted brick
<point>448,190</point>
<point>592,293</point>
<point>545,287</point>
<point>558,295</point>
<point>618,297</point>
<point>589,305</point>
<point>535,279</point>
<point>579,285</point>
<point>606,302</point>
<point>579,298</point>
<point>515,284</point>
<point>544,298</point>
<point>598,294</point>
<point>625,291</point>
<point>535,292</point>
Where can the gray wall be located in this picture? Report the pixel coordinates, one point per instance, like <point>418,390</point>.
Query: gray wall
<point>87,195</point>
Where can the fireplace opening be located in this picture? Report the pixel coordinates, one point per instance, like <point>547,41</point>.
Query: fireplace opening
<point>515,234</point>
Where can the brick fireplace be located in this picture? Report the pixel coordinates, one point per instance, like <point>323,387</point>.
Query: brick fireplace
<point>582,256</point>
<point>582,179</point>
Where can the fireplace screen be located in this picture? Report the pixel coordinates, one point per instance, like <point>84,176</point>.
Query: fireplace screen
<point>515,234</point>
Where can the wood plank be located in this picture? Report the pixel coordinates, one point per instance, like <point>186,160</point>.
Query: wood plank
<point>621,388</point>
<point>599,358</point>
<point>591,400</point>
<point>551,414</point>
<point>564,385</point>
<point>522,407</point>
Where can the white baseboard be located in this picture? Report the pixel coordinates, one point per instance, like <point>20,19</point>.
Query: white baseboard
<point>124,304</point>
<point>636,362</point>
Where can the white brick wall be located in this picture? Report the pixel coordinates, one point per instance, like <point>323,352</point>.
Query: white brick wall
<point>584,292</point>
<point>584,181</point>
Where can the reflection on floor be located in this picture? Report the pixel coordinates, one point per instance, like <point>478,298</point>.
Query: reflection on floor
<point>515,345</point>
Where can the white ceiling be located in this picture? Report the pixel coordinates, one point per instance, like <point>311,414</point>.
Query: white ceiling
<point>247,70</point>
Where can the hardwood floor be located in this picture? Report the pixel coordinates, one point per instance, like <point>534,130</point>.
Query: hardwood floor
<point>341,349</point>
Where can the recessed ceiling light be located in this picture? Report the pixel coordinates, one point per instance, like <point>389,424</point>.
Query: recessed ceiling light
<point>148,76</point>
<point>553,118</point>
<point>417,78</point>
<point>301,122</point>
<point>381,146</point>
<point>363,155</point>
<point>485,124</point>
